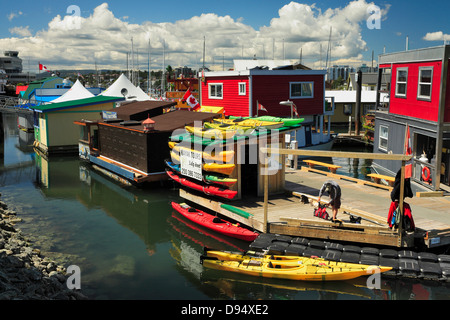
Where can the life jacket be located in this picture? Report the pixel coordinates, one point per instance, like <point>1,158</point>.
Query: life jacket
<point>393,216</point>
<point>321,212</point>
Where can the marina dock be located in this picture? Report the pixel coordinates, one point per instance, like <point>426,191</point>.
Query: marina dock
<point>291,213</point>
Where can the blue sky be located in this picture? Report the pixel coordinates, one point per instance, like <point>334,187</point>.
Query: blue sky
<point>25,27</point>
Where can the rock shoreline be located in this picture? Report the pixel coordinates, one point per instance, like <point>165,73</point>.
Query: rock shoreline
<point>24,273</point>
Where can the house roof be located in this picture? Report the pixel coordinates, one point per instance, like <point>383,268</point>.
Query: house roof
<point>48,82</point>
<point>77,91</point>
<point>123,87</point>
<point>168,122</point>
<point>75,103</point>
<point>349,96</point>
<point>139,110</point>
<point>369,78</point>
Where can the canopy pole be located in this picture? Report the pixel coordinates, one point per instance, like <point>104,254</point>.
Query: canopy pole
<point>266,195</point>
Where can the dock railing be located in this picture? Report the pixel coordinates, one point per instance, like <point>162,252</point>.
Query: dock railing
<point>337,154</point>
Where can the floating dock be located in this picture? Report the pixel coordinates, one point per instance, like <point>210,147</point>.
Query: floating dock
<point>291,213</point>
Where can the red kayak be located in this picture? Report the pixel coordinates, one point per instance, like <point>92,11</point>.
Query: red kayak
<point>208,189</point>
<point>214,223</point>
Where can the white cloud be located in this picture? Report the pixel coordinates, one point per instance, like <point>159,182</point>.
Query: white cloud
<point>13,15</point>
<point>436,36</point>
<point>79,42</point>
<point>21,31</point>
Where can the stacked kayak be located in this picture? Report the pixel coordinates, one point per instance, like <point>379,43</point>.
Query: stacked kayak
<point>214,223</point>
<point>208,178</point>
<point>207,189</point>
<point>223,168</point>
<point>287,267</point>
<point>229,182</point>
<point>251,123</point>
<point>240,130</point>
<point>222,156</point>
<point>211,133</point>
<point>287,122</point>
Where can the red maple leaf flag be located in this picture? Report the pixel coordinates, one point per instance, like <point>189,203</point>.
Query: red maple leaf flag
<point>42,67</point>
<point>408,151</point>
<point>261,107</point>
<point>294,108</point>
<point>190,100</point>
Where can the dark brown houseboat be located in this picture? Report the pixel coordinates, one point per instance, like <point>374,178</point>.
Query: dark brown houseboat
<point>126,148</point>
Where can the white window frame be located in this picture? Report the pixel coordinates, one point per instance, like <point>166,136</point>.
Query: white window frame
<point>428,98</point>
<point>397,82</point>
<point>301,88</point>
<point>380,137</point>
<point>215,96</point>
<point>242,88</point>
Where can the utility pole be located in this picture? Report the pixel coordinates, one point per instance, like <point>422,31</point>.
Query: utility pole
<point>358,100</point>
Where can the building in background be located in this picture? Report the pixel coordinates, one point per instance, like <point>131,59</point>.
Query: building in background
<point>419,99</point>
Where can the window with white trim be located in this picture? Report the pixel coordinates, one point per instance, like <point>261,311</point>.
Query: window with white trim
<point>215,90</point>
<point>425,81</point>
<point>242,87</point>
<point>401,82</point>
<point>299,90</point>
<point>383,138</point>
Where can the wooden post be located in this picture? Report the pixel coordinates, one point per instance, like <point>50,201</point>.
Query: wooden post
<point>358,101</point>
<point>266,198</point>
<point>400,203</point>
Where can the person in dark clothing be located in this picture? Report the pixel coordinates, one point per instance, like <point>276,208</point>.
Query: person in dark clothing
<point>395,193</point>
<point>334,191</point>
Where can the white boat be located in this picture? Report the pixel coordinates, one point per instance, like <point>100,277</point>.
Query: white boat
<point>309,139</point>
<point>2,81</point>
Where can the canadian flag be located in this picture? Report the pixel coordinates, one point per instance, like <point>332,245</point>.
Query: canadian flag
<point>42,67</point>
<point>294,108</point>
<point>261,107</point>
<point>190,100</point>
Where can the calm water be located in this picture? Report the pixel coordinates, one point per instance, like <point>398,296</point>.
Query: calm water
<point>129,244</point>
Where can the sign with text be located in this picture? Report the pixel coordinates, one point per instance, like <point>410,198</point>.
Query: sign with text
<point>191,163</point>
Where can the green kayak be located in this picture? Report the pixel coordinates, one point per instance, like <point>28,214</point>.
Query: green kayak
<point>288,122</point>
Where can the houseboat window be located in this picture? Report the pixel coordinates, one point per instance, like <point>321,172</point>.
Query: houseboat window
<point>242,88</point>
<point>301,90</point>
<point>215,91</point>
<point>383,140</point>
<point>425,79</point>
<point>402,80</point>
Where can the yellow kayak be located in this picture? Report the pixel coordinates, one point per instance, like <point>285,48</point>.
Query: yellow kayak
<point>222,156</point>
<point>252,123</point>
<point>211,133</point>
<point>288,260</point>
<point>300,271</point>
<point>224,168</point>
<point>224,126</point>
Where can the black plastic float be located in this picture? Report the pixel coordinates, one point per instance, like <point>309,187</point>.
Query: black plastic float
<point>404,262</point>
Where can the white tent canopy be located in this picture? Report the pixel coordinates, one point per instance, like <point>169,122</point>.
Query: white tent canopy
<point>78,91</point>
<point>123,87</point>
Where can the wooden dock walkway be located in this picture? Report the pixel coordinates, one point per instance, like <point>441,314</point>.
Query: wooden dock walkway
<point>291,214</point>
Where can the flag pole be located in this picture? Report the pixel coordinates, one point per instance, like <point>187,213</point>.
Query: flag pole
<point>257,108</point>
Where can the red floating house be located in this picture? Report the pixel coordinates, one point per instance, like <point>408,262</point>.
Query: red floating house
<point>240,92</point>
<point>419,98</point>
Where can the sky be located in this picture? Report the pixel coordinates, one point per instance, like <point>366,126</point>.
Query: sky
<point>79,34</point>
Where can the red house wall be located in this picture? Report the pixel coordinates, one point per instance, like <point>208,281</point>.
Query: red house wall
<point>412,106</point>
<point>268,90</point>
<point>447,99</point>
<point>233,103</point>
<point>271,90</point>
